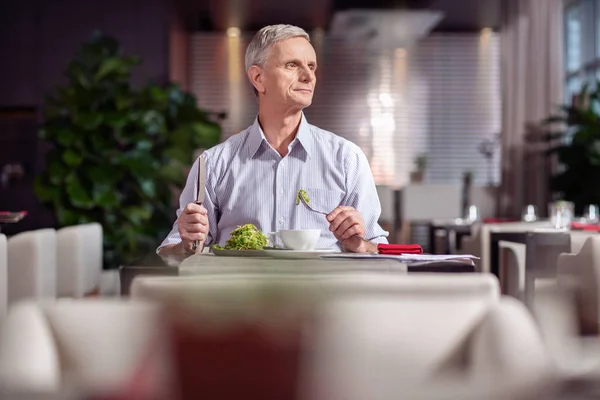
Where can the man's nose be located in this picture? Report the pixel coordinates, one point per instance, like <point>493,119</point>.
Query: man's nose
<point>306,75</point>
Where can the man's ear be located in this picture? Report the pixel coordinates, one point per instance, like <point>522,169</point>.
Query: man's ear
<point>255,75</point>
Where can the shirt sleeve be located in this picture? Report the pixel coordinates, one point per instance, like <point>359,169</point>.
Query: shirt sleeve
<point>188,195</point>
<point>361,194</point>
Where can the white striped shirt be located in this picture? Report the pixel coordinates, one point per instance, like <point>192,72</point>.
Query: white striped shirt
<point>248,182</point>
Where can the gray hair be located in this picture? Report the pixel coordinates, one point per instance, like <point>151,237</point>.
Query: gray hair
<point>257,52</point>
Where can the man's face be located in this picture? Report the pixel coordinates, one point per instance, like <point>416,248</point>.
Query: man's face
<point>289,74</point>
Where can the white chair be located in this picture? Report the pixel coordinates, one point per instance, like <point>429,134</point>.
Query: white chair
<point>386,199</point>
<point>422,204</point>
<point>380,346</point>
<point>483,287</point>
<point>79,260</point>
<point>485,198</point>
<point>479,241</point>
<point>511,266</point>
<point>93,344</point>
<point>3,276</point>
<point>581,272</point>
<point>31,269</point>
<point>472,245</point>
<point>376,335</point>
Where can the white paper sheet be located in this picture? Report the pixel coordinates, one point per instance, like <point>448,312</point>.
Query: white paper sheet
<point>405,257</point>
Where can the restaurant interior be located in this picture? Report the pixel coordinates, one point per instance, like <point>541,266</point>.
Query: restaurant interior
<point>480,121</point>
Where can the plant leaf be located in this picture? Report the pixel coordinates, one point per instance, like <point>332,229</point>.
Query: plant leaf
<point>108,66</point>
<point>78,195</point>
<point>72,158</point>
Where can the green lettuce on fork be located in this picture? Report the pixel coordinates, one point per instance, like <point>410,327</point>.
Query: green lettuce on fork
<point>302,195</point>
<point>245,237</point>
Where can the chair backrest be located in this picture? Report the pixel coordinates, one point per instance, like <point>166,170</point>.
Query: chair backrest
<point>484,197</point>
<point>31,268</point>
<point>79,259</point>
<point>380,346</point>
<point>369,337</point>
<point>426,315</point>
<point>483,287</point>
<point>472,245</point>
<point>578,238</point>
<point>97,343</point>
<point>581,272</point>
<point>3,275</point>
<point>386,199</point>
<point>422,202</point>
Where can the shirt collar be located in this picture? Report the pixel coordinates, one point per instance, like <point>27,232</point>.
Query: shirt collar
<point>257,137</point>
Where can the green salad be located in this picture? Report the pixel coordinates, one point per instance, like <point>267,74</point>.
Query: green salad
<point>302,195</point>
<point>245,237</point>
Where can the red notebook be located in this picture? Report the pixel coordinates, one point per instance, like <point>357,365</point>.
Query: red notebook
<point>397,249</point>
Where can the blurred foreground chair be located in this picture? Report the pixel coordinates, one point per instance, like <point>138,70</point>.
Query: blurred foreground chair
<point>376,336</point>
<point>384,334</point>
<point>95,345</point>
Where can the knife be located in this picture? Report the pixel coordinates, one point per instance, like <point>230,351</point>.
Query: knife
<point>200,190</point>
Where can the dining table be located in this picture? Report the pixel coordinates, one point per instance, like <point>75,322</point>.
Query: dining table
<point>453,231</point>
<point>209,263</point>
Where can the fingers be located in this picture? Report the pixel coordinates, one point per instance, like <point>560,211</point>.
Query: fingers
<point>193,224</point>
<point>193,208</point>
<point>194,219</point>
<point>354,230</point>
<point>191,237</point>
<point>333,215</point>
<point>339,215</point>
<point>345,225</point>
<point>346,222</point>
<point>195,227</point>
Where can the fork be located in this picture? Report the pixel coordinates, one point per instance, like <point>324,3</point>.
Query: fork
<point>320,212</point>
<point>310,208</point>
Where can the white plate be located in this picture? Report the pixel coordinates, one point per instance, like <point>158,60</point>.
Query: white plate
<point>298,254</point>
<point>239,253</point>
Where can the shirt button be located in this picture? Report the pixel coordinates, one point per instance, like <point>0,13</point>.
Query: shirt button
<point>281,192</point>
<point>282,164</point>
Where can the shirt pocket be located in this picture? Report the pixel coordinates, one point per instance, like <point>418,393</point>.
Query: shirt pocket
<point>324,200</point>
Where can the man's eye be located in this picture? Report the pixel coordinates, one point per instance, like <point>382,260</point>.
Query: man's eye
<point>291,65</point>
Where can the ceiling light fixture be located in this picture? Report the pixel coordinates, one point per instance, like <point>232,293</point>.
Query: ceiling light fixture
<point>233,31</point>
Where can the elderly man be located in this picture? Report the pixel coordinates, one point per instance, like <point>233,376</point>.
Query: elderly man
<point>254,176</point>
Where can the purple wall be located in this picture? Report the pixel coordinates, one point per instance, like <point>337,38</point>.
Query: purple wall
<point>37,40</point>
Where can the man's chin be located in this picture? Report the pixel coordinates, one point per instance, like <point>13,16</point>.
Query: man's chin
<point>304,102</point>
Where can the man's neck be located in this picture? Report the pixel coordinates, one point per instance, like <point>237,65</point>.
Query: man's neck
<point>279,128</point>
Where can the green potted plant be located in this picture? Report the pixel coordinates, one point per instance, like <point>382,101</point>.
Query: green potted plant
<point>577,148</point>
<point>420,166</point>
<point>118,152</point>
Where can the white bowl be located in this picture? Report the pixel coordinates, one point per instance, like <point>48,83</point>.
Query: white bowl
<point>299,239</point>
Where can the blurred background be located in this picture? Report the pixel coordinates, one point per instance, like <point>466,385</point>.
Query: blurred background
<point>445,97</point>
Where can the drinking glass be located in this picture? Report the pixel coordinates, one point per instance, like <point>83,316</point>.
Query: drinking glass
<point>561,214</point>
<point>591,214</point>
<point>529,213</point>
